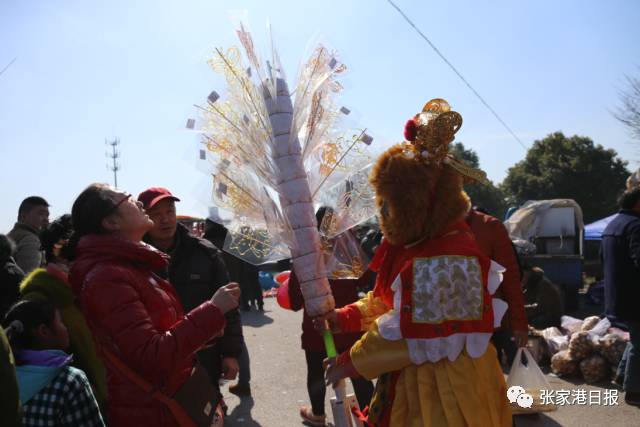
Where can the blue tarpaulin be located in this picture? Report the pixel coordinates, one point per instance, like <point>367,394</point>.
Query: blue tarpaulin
<point>594,230</point>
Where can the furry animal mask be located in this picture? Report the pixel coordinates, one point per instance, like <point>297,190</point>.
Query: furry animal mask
<point>418,184</point>
<point>415,200</point>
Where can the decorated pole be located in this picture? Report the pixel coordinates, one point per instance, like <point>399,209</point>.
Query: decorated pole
<point>295,198</point>
<point>279,150</point>
<point>306,254</point>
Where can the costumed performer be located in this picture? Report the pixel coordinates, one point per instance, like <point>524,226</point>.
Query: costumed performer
<point>431,314</point>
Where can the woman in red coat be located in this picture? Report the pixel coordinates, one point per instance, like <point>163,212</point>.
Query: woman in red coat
<point>132,313</point>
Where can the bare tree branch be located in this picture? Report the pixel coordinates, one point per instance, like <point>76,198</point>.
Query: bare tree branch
<point>629,111</point>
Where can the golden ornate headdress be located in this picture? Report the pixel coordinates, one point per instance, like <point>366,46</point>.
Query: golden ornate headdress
<point>429,134</point>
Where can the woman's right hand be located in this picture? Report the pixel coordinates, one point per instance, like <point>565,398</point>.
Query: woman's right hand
<point>226,298</point>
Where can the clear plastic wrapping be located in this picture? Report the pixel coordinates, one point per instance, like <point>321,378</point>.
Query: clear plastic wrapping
<point>274,158</point>
<point>352,202</point>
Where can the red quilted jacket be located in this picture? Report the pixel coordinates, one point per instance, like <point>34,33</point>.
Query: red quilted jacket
<point>136,315</point>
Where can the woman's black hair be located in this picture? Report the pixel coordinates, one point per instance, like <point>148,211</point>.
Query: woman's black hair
<point>24,317</point>
<point>60,229</point>
<point>89,209</point>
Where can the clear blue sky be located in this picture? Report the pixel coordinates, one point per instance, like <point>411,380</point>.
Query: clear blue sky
<point>87,71</point>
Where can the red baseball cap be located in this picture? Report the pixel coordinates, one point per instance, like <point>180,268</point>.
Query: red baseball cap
<point>153,195</point>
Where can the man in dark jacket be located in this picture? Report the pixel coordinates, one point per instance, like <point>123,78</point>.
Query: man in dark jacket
<point>621,262</point>
<point>196,271</point>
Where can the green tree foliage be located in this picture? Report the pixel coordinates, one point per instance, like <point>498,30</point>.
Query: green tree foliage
<point>490,198</point>
<point>558,167</point>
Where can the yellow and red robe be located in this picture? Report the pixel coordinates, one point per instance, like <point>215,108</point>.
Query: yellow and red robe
<point>429,320</point>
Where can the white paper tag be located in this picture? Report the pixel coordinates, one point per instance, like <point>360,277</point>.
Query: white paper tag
<point>203,155</point>
<point>367,139</point>
<point>191,123</point>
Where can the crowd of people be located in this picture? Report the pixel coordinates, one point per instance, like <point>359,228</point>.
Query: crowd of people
<point>117,314</point>
<point>105,328</point>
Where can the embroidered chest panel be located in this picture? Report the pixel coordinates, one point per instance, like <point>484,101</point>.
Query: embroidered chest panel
<point>446,288</point>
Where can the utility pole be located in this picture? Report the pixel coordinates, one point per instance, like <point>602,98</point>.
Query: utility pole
<point>113,166</point>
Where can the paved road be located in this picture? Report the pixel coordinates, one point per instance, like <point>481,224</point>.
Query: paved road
<point>278,370</point>
<point>279,382</point>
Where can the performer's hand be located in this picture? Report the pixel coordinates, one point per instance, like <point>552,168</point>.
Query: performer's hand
<point>330,318</point>
<point>335,372</point>
<point>226,298</point>
<point>230,368</point>
<point>521,338</point>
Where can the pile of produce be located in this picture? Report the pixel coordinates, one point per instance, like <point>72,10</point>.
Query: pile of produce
<point>563,364</point>
<point>581,345</point>
<point>590,348</point>
<point>594,368</point>
<point>611,348</point>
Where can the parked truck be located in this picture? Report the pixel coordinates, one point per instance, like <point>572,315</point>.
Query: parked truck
<point>549,234</point>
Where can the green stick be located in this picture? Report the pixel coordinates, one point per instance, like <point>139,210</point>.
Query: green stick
<point>329,345</point>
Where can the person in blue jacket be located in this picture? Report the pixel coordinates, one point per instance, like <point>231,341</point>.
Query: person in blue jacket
<point>621,262</point>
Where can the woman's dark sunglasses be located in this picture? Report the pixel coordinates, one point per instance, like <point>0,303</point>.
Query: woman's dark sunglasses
<point>115,207</point>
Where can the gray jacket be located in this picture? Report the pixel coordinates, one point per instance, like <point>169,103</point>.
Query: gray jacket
<point>29,254</point>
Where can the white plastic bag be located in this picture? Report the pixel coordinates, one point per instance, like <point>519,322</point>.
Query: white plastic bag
<point>601,328</point>
<point>555,340</point>
<point>526,384</point>
<point>551,332</point>
<point>570,324</point>
<point>556,344</point>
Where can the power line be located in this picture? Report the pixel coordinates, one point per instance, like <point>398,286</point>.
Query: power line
<point>8,65</point>
<point>475,92</point>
